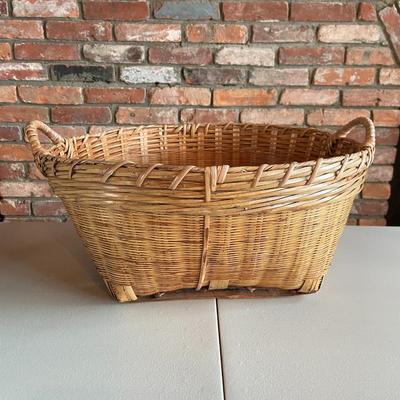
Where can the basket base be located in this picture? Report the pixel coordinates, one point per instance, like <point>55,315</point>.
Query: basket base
<point>125,294</point>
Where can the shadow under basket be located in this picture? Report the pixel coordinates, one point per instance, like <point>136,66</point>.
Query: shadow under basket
<point>194,211</point>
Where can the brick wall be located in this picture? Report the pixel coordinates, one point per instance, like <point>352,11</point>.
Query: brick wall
<point>84,65</point>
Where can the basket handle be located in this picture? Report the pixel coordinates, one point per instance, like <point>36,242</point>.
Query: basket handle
<point>32,134</point>
<point>369,130</point>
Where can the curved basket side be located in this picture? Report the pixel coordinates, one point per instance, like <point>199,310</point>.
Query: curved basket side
<point>261,250</point>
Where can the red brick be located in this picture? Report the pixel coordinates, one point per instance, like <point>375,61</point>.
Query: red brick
<point>385,155</point>
<point>371,97</point>
<point>14,207</point>
<point>349,33</point>
<point>3,8</point>
<point>12,171</point>
<point>344,76</point>
<point>309,96</point>
<point>123,10</point>
<point>79,30</point>
<point>114,53</point>
<point>214,76</point>
<point>66,131</point>
<point>311,55</point>
<point>22,71</point>
<point>46,51</point>
<point>10,133</point>
<point>207,33</point>
<point>276,33</point>
<point>204,116</point>
<point>16,29</point>
<point>148,32</point>
<point>244,97</point>
<point>114,95</point>
<point>391,20</point>
<point>5,51</point>
<point>372,222</point>
<point>256,11</point>
<point>358,134</point>
<point>369,56</point>
<point>95,129</point>
<point>25,189</point>
<point>51,94</point>
<point>146,115</point>
<point>280,77</point>
<point>45,8</point>
<point>245,55</point>
<point>48,208</point>
<point>366,12</point>
<point>29,218</point>
<point>379,173</point>
<point>334,116</point>
<point>387,117</point>
<point>370,207</point>
<point>19,113</point>
<point>318,11</point>
<point>81,115</point>
<point>15,152</point>
<point>277,116</point>
<point>376,191</point>
<point>177,96</point>
<point>180,55</point>
<point>389,76</point>
<point>8,94</point>
<point>387,136</point>
<point>34,173</point>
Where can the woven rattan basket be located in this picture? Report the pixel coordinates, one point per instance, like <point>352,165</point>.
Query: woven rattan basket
<point>207,210</point>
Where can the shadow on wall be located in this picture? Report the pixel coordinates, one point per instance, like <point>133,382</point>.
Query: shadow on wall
<point>2,217</point>
<point>393,215</point>
<point>386,16</point>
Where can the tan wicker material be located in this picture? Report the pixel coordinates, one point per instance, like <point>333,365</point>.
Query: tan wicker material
<point>207,207</point>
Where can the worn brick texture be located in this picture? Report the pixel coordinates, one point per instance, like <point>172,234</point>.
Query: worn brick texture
<point>85,65</point>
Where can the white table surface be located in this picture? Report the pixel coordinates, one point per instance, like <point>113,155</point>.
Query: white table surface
<point>62,337</point>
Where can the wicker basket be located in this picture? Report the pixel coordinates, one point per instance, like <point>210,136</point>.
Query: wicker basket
<point>207,210</point>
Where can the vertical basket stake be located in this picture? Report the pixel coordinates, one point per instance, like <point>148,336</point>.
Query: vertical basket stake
<point>206,229</point>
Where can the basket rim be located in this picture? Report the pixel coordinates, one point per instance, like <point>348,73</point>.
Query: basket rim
<point>65,142</point>
<point>207,190</point>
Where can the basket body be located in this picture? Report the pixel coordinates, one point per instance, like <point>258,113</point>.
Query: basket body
<point>197,207</point>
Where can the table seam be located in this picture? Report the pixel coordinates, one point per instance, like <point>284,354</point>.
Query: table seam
<point>220,349</point>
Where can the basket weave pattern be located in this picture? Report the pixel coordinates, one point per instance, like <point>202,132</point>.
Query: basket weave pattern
<point>163,208</point>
